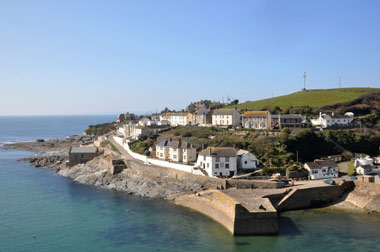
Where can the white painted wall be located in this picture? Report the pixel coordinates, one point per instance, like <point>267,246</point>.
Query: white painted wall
<point>323,173</point>
<point>248,161</point>
<point>363,161</point>
<point>180,167</point>
<point>214,168</point>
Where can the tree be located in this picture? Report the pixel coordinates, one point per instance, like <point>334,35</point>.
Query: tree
<point>234,102</point>
<point>276,110</point>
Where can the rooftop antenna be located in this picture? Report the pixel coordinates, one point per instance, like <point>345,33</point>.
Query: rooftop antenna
<point>304,80</point>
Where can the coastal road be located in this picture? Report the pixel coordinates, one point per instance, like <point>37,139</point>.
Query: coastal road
<point>123,152</point>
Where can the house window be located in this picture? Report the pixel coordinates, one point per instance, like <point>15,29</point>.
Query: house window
<point>204,158</point>
<point>174,156</point>
<point>208,165</point>
<point>227,166</point>
<point>227,159</point>
<point>216,166</point>
<point>245,162</point>
<point>216,173</point>
<point>217,159</point>
<point>161,155</point>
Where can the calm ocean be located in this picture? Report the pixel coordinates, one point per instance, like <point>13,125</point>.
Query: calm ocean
<point>66,216</point>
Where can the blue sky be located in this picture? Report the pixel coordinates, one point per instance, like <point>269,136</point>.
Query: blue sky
<point>97,57</point>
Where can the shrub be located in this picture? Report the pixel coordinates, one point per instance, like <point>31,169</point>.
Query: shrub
<point>347,155</point>
<point>186,134</point>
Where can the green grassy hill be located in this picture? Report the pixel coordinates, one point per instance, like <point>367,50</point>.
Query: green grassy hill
<point>311,98</point>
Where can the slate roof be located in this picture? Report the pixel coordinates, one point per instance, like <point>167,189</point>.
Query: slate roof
<point>87,149</point>
<point>318,164</point>
<point>162,143</point>
<point>287,116</point>
<point>202,112</point>
<point>219,152</point>
<point>179,144</point>
<point>336,116</point>
<point>175,144</point>
<point>366,167</point>
<point>256,114</point>
<point>224,112</point>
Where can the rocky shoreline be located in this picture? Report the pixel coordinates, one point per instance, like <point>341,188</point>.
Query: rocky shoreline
<point>54,154</point>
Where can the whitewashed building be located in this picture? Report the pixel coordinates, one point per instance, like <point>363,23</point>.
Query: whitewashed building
<point>257,120</point>
<point>364,169</point>
<point>326,120</point>
<point>363,161</point>
<point>176,119</point>
<point>181,151</point>
<point>162,150</point>
<point>322,169</point>
<point>138,130</point>
<point>218,161</point>
<point>246,160</point>
<point>177,151</point>
<point>226,117</point>
<point>146,122</point>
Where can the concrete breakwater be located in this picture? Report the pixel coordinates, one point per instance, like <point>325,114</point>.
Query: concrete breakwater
<point>308,197</point>
<point>365,196</point>
<point>254,211</point>
<point>253,217</point>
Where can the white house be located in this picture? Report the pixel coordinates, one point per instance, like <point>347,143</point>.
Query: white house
<point>162,150</point>
<point>176,119</point>
<point>363,161</point>
<point>125,129</point>
<point>177,151</point>
<point>226,117</point>
<point>326,120</point>
<point>181,119</point>
<point>218,161</point>
<point>257,120</point>
<point>364,169</point>
<point>181,151</point>
<point>246,160</point>
<point>138,130</point>
<point>321,169</point>
<point>146,121</point>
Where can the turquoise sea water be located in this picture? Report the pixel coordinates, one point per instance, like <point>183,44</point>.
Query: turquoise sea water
<point>66,216</point>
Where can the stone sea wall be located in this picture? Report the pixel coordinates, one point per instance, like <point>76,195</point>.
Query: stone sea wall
<point>236,217</point>
<point>300,198</point>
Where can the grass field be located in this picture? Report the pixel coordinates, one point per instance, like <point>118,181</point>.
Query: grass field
<point>347,167</point>
<point>312,98</point>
